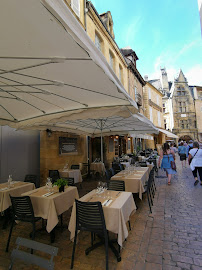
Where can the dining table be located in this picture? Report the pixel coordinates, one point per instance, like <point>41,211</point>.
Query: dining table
<point>117,207</point>
<point>15,188</point>
<point>76,174</point>
<point>50,203</point>
<point>135,179</point>
<point>98,167</point>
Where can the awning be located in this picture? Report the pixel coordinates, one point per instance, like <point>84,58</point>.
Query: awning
<point>168,134</point>
<point>50,68</point>
<point>142,136</point>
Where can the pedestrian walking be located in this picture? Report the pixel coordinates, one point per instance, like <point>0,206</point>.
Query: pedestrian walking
<point>173,147</point>
<point>195,161</point>
<point>182,150</point>
<point>166,157</point>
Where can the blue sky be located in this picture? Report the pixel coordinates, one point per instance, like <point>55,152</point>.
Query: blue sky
<point>163,33</point>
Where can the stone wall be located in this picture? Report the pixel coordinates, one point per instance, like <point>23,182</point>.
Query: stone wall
<point>50,159</point>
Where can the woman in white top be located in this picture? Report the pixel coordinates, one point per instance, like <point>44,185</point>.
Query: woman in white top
<point>196,163</point>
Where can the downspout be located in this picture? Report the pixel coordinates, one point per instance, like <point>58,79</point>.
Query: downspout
<point>85,12</point>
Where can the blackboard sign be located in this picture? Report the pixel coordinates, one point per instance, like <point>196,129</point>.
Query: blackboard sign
<point>68,145</point>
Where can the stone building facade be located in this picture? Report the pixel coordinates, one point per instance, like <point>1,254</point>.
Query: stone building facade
<point>153,111</point>
<point>197,90</point>
<point>184,113</point>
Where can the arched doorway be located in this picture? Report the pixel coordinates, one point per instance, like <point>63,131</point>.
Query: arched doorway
<point>186,138</point>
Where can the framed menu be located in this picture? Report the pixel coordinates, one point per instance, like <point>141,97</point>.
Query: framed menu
<point>68,146</point>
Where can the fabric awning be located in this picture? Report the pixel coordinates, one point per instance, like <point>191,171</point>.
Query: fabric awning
<point>50,68</point>
<point>168,134</point>
<point>142,136</point>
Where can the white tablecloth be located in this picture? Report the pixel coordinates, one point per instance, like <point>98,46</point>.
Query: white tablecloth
<point>98,167</point>
<point>51,207</point>
<point>17,189</point>
<point>134,180</point>
<point>116,214</point>
<point>76,174</point>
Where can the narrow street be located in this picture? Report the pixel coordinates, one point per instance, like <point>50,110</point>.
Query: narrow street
<point>168,239</point>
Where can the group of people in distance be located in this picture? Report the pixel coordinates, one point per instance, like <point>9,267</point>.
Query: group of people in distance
<point>192,152</point>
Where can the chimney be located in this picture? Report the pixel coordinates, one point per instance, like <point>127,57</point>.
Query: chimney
<point>146,78</point>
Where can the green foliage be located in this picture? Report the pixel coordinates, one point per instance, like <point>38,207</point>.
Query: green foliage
<point>61,182</point>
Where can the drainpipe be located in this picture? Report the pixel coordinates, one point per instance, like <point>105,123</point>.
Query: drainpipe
<point>85,12</point>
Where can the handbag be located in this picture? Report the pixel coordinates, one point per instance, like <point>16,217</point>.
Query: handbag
<point>173,165</point>
<point>192,158</point>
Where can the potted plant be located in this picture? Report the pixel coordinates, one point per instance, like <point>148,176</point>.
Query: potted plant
<point>61,183</point>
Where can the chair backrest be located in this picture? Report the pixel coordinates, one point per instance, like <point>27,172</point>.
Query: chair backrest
<point>112,172</point>
<point>54,175</point>
<point>31,178</point>
<point>22,208</point>
<point>75,167</point>
<point>116,185</point>
<point>107,175</point>
<point>70,181</point>
<point>121,167</point>
<point>45,263</point>
<point>142,164</point>
<point>90,216</point>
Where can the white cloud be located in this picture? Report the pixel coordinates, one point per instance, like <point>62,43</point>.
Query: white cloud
<point>194,75</point>
<point>132,30</point>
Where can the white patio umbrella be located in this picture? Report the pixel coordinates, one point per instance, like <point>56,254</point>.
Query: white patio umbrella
<point>50,68</point>
<point>116,124</point>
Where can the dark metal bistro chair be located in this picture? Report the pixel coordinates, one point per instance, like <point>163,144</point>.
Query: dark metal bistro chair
<point>75,167</point>
<point>45,263</point>
<point>70,181</point>
<point>54,175</point>
<point>22,211</point>
<point>31,178</point>
<point>90,217</point>
<point>116,185</point>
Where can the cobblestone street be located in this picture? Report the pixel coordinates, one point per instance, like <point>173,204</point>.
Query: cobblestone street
<point>168,239</point>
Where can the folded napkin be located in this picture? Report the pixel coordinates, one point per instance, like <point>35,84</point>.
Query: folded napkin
<point>106,203</point>
<point>47,194</point>
<point>5,188</point>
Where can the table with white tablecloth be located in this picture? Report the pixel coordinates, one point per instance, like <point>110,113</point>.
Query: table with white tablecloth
<point>116,214</point>
<point>76,174</point>
<point>16,189</point>
<point>135,179</point>
<point>98,167</point>
<point>51,207</point>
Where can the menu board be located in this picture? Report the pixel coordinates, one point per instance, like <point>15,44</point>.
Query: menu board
<point>68,145</point>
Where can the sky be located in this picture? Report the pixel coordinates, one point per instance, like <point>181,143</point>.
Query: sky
<point>163,33</point>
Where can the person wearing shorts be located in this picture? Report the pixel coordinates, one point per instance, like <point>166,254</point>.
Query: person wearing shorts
<point>182,150</point>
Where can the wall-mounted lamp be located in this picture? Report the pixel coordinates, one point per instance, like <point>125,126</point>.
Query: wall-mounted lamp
<point>49,132</point>
<point>128,138</point>
<point>116,136</point>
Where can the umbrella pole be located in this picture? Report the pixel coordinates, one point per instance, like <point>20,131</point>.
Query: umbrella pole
<point>101,143</point>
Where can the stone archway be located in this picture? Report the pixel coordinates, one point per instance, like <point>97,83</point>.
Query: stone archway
<point>186,138</point>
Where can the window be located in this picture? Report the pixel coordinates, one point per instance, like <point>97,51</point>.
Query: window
<point>149,93</point>
<point>98,42</point>
<point>150,114</point>
<point>164,110</point>
<point>159,119</point>
<point>75,4</point>
<point>120,73</point>
<point>111,60</point>
<point>181,91</point>
<point>165,124</point>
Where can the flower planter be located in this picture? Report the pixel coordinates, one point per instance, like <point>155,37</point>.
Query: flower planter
<point>62,189</point>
